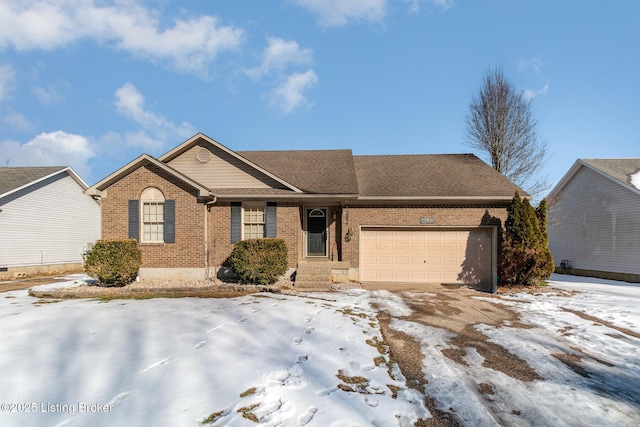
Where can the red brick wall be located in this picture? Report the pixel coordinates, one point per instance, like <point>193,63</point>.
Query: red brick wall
<point>220,246</point>
<point>188,251</point>
<point>290,229</point>
<point>356,216</point>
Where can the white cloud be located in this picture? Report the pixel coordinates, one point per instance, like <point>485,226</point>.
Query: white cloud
<point>190,45</point>
<point>414,5</point>
<point>290,94</point>
<point>52,93</point>
<point>156,130</point>
<point>335,13</point>
<point>279,54</point>
<point>534,64</point>
<point>7,74</point>
<point>49,149</point>
<point>279,58</point>
<point>17,121</point>
<point>529,94</point>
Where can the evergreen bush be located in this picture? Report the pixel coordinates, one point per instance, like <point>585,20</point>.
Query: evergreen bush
<point>113,262</point>
<point>260,261</point>
<point>525,256</point>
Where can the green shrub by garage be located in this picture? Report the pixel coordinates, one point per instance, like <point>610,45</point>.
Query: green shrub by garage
<point>260,261</point>
<point>113,262</point>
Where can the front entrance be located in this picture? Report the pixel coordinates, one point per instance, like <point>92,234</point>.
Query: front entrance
<point>316,232</point>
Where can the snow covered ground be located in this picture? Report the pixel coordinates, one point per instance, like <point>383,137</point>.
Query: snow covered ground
<point>599,386</point>
<point>310,360</point>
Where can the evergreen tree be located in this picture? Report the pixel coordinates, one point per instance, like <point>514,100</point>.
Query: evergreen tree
<point>525,256</point>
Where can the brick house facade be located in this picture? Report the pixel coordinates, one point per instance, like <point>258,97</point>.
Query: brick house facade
<point>386,218</point>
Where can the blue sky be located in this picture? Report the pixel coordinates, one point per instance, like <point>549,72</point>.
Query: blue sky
<point>95,83</point>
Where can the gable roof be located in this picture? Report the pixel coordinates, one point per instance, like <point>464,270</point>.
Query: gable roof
<point>431,176</point>
<point>96,189</point>
<point>189,143</point>
<point>313,171</point>
<point>340,174</point>
<point>619,171</point>
<point>13,179</point>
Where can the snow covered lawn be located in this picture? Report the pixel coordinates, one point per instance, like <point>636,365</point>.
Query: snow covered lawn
<point>313,360</point>
<point>281,360</point>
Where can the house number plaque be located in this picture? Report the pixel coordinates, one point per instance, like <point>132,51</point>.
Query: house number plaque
<point>426,221</point>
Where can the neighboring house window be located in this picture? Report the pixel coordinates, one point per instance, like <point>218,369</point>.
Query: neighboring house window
<point>152,218</point>
<point>152,215</point>
<point>253,221</point>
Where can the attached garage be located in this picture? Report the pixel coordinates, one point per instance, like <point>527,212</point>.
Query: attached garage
<point>439,255</point>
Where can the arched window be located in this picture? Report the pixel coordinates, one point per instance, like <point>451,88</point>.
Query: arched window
<point>152,215</point>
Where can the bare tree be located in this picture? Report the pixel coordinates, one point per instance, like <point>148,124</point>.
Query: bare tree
<point>500,125</point>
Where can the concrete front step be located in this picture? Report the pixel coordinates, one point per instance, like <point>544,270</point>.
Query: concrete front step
<point>320,274</point>
<point>313,286</point>
<point>314,274</point>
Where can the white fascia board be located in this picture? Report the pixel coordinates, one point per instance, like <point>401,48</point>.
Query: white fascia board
<point>94,190</point>
<point>29,184</point>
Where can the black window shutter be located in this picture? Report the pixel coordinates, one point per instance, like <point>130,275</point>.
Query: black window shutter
<point>134,218</point>
<point>271,220</point>
<point>236,222</point>
<point>169,221</point>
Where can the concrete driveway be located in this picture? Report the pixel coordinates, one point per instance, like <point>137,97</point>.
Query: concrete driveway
<point>16,285</point>
<point>455,310</point>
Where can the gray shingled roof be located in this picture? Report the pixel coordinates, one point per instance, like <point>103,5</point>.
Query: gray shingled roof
<point>12,178</point>
<point>620,169</point>
<point>430,175</point>
<point>313,171</point>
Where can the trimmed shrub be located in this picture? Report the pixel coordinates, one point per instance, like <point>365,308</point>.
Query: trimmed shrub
<point>259,261</point>
<point>113,262</point>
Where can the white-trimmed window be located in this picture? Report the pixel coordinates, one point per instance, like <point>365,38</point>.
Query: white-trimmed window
<point>253,221</point>
<point>152,215</point>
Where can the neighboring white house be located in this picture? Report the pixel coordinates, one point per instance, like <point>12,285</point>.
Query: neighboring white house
<point>46,220</point>
<point>594,219</point>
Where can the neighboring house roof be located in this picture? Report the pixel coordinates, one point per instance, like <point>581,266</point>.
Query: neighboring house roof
<point>13,179</point>
<point>313,171</point>
<point>441,176</point>
<point>625,172</point>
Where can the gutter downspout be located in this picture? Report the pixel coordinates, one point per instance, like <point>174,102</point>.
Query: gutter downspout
<point>207,210</point>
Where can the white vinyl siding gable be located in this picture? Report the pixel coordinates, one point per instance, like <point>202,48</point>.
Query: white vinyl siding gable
<point>221,170</point>
<point>47,223</point>
<point>595,224</point>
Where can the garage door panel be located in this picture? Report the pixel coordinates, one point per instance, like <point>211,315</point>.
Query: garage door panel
<point>456,256</point>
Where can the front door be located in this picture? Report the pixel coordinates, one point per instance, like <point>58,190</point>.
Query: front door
<point>316,232</point>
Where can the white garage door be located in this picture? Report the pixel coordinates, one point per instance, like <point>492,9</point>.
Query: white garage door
<point>443,256</point>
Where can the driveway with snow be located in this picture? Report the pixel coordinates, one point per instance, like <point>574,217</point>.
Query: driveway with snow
<point>568,357</point>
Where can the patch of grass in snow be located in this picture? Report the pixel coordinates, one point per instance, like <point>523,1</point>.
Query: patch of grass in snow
<point>394,390</point>
<point>151,295</point>
<point>248,392</point>
<point>246,412</point>
<point>380,360</point>
<point>46,301</point>
<point>353,314</point>
<point>212,418</point>
<point>353,384</point>
<point>379,345</point>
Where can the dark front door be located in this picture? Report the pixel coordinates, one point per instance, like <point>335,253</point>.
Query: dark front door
<point>316,232</point>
